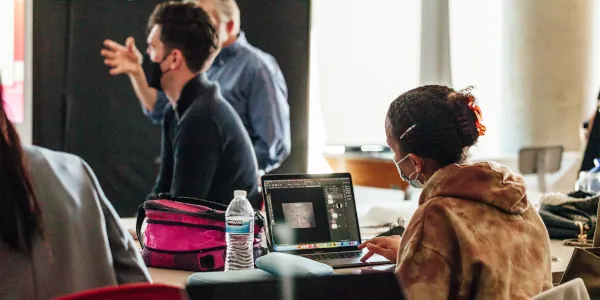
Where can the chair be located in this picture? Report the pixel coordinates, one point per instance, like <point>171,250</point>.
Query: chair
<point>132,291</point>
<point>540,161</point>
<point>572,290</point>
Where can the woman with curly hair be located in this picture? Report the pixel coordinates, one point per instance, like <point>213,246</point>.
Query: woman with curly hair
<point>474,235</point>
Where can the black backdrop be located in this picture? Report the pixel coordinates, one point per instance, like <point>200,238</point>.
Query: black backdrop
<point>79,108</point>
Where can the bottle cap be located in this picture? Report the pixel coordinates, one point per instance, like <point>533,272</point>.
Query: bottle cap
<point>239,194</point>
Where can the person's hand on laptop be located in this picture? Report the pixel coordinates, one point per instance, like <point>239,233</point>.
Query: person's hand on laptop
<point>386,246</point>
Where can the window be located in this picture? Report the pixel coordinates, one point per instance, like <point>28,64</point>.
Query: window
<point>365,54</point>
<point>476,56</point>
<point>12,56</point>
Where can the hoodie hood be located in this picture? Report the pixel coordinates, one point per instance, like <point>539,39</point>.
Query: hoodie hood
<point>485,182</point>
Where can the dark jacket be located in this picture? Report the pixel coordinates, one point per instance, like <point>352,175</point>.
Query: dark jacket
<point>206,152</point>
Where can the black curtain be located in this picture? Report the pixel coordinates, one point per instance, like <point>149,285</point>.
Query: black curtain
<point>592,148</point>
<point>79,108</point>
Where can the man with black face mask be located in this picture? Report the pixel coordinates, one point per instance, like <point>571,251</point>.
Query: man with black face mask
<point>206,152</point>
<point>250,80</point>
<point>154,74</point>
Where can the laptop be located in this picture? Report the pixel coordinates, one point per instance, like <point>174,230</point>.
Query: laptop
<point>348,287</point>
<point>314,216</point>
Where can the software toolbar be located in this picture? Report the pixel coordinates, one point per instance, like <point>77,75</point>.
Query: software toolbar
<point>315,246</point>
<point>300,183</point>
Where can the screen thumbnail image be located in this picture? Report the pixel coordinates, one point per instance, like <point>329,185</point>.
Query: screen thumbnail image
<point>299,215</point>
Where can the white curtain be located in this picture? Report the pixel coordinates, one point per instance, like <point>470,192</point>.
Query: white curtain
<point>366,54</point>
<point>435,43</point>
<point>476,55</point>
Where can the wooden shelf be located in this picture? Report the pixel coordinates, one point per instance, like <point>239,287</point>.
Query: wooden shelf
<point>368,171</point>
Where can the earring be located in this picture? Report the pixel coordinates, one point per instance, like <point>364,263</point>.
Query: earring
<point>416,177</point>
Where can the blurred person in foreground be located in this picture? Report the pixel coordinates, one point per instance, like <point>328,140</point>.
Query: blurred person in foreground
<point>58,232</point>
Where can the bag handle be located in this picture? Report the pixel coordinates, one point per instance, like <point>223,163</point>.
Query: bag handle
<point>193,201</point>
<point>141,215</point>
<point>597,232</point>
<point>258,215</point>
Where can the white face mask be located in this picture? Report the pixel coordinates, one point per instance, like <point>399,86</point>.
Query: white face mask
<point>413,182</point>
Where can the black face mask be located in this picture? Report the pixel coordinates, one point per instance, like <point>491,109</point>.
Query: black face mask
<point>154,73</point>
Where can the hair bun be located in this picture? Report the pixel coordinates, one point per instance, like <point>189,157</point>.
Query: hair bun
<point>468,116</point>
<point>469,134</point>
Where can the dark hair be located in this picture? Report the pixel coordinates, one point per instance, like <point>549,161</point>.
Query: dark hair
<point>187,27</point>
<point>445,125</point>
<point>20,216</point>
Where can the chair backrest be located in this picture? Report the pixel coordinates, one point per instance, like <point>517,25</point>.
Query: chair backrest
<point>130,292</point>
<point>572,290</point>
<point>540,161</point>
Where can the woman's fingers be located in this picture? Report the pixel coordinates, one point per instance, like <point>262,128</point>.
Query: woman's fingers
<point>389,253</point>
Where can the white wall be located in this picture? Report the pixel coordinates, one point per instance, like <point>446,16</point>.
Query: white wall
<point>548,71</point>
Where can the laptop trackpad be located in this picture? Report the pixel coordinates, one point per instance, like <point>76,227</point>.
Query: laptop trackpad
<point>374,260</point>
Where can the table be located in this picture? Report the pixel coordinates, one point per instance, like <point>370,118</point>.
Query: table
<point>179,278</point>
<point>374,206</point>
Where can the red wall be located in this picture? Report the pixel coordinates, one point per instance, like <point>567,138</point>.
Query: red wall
<point>19,29</point>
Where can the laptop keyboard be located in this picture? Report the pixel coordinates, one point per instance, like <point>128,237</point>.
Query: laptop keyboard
<point>328,256</point>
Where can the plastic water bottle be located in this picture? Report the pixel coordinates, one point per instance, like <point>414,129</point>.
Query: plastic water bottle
<point>594,177</point>
<point>594,182</point>
<point>583,182</point>
<point>239,220</point>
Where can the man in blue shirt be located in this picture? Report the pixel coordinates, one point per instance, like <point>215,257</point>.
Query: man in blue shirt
<point>250,81</point>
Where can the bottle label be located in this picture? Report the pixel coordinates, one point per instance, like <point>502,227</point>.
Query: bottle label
<point>239,225</point>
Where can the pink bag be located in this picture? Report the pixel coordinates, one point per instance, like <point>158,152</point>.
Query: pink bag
<point>187,234</point>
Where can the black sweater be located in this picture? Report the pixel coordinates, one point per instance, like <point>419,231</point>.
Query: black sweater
<point>206,152</point>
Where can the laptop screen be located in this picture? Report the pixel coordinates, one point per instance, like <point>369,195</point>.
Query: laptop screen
<point>311,212</point>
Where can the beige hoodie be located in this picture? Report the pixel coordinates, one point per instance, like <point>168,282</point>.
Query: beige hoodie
<point>474,236</point>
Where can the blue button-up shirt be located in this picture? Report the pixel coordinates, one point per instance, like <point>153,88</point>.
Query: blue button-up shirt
<point>253,84</point>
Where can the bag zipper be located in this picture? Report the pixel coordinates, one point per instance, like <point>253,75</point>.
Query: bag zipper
<point>209,227</point>
<point>209,214</point>
<point>186,200</point>
<point>186,252</point>
<point>191,251</point>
